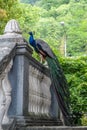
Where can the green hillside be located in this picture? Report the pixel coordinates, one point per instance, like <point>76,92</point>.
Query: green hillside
<point>74,15</point>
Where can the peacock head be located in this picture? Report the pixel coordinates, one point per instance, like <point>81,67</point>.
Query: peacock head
<point>30,33</point>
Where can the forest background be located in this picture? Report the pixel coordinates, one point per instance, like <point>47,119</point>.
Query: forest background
<point>57,22</point>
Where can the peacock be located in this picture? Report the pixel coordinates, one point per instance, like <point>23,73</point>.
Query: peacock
<point>59,81</point>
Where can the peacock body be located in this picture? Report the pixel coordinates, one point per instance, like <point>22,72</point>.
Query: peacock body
<point>57,76</point>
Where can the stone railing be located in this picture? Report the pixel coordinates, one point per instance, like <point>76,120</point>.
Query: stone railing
<point>24,82</point>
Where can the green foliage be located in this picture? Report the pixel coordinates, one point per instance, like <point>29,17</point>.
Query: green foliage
<point>47,4</point>
<point>84,120</point>
<point>9,9</point>
<point>73,13</point>
<point>75,70</point>
<point>44,17</point>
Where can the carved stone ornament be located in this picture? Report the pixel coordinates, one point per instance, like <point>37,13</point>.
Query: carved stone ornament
<point>12,27</point>
<point>5,95</point>
<point>12,30</point>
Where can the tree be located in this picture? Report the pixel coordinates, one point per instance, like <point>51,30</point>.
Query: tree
<point>9,9</point>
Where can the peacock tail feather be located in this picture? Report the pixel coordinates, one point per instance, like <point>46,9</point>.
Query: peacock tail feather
<point>60,87</point>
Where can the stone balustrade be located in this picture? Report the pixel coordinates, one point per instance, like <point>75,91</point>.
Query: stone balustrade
<point>25,85</point>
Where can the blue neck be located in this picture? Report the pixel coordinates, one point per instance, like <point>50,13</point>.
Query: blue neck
<point>32,41</point>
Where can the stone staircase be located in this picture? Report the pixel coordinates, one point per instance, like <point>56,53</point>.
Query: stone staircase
<point>27,123</point>
<point>37,124</point>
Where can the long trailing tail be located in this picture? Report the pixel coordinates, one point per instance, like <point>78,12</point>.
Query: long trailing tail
<point>60,87</point>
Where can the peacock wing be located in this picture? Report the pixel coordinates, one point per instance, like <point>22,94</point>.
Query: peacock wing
<point>45,47</point>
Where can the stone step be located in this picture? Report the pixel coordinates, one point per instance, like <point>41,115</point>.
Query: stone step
<point>24,122</point>
<point>39,122</point>
<point>53,128</point>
